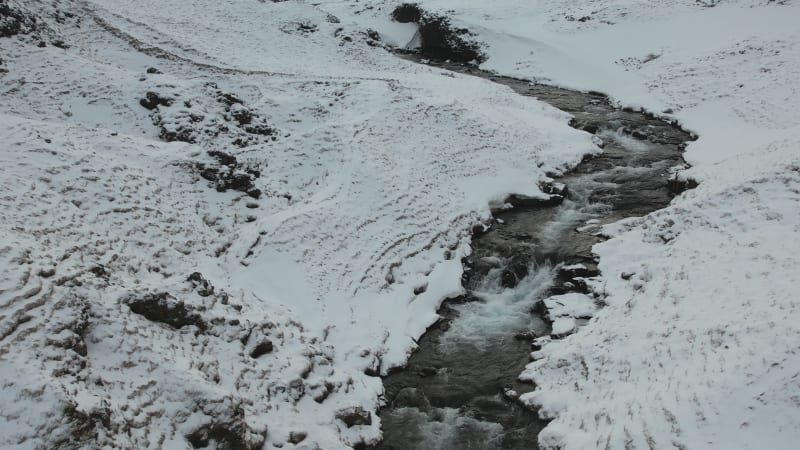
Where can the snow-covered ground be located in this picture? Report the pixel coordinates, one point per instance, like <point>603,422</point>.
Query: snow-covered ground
<point>698,346</point>
<point>371,171</point>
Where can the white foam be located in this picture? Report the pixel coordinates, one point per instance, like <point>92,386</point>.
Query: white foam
<point>503,311</point>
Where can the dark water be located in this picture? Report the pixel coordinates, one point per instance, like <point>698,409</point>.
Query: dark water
<point>452,394</point>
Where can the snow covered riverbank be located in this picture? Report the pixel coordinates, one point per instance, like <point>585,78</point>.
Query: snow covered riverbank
<point>698,345</point>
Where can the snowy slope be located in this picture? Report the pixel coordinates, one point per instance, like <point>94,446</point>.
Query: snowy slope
<point>354,180</point>
<point>699,348</point>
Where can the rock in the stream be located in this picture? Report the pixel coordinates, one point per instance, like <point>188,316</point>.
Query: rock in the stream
<point>527,335</point>
<point>524,201</point>
<point>438,38</point>
<point>411,398</point>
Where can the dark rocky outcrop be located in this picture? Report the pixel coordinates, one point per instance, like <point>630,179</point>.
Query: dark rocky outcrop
<point>411,398</point>
<point>204,287</point>
<point>84,425</point>
<point>262,348</point>
<point>441,41</point>
<point>14,22</point>
<point>296,437</point>
<point>438,38</point>
<point>164,308</point>
<point>677,185</point>
<point>152,100</point>
<point>229,435</point>
<point>538,237</point>
<point>407,13</point>
<point>229,174</point>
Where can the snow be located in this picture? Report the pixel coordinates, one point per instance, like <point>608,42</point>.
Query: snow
<point>378,169</point>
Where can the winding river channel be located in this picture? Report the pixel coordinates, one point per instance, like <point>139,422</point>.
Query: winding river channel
<point>453,394</point>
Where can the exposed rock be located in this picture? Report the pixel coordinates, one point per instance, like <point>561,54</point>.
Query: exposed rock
<point>440,41</point>
<point>261,129</point>
<point>411,398</point>
<point>539,309</point>
<point>374,35</point>
<point>241,114</point>
<point>407,13</point>
<point>524,201</point>
<point>323,395</point>
<point>234,435</point>
<point>589,127</point>
<point>14,22</point>
<point>153,70</point>
<point>527,335</point>
<point>230,175</point>
<point>226,98</point>
<point>99,270</point>
<point>355,416</point>
<point>85,426</point>
<point>152,100</point>
<point>579,270</point>
<point>164,308</point>
<point>515,271</point>
<point>181,133</point>
<point>204,287</point>
<point>296,437</point>
<point>223,158</point>
<point>677,185</point>
<point>427,371</point>
<point>262,348</point>
<point>554,188</point>
<point>510,394</point>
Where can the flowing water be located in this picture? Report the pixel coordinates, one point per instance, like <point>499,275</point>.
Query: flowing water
<point>453,392</point>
